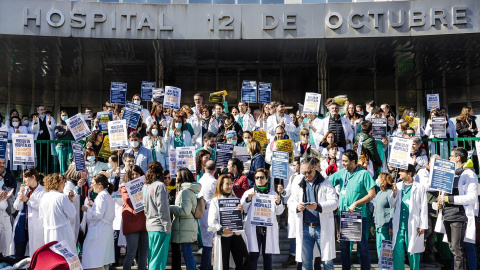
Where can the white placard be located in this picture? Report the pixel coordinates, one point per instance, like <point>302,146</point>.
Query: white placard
<point>134,189</point>
<point>71,257</point>
<point>172,97</point>
<point>117,134</point>
<point>400,153</point>
<point>312,103</point>
<point>78,127</point>
<point>433,101</point>
<point>23,149</point>
<point>185,157</point>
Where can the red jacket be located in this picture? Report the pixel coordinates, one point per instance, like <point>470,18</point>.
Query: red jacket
<point>240,185</point>
<point>132,222</point>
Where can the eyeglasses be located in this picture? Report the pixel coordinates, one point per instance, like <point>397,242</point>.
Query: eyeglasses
<point>259,177</point>
<point>279,133</point>
<point>305,134</point>
<point>307,172</point>
<point>410,134</point>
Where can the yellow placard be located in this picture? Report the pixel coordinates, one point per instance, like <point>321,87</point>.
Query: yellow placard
<point>105,149</point>
<point>414,123</point>
<point>260,136</point>
<point>285,146</point>
<point>217,96</point>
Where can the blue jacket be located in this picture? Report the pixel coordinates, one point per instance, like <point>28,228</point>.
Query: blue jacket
<point>258,161</point>
<point>142,158</point>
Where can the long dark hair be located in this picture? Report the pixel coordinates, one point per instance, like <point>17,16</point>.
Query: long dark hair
<point>154,172</point>
<point>128,174</point>
<point>198,161</point>
<point>184,176</point>
<point>93,138</point>
<point>103,180</point>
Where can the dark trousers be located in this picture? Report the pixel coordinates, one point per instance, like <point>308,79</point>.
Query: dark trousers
<point>236,246</point>
<point>20,248</point>
<point>176,256</point>
<point>45,159</point>
<point>267,258</point>
<point>455,231</point>
<point>116,247</point>
<point>430,235</point>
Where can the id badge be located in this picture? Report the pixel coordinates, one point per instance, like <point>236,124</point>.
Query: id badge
<point>343,192</point>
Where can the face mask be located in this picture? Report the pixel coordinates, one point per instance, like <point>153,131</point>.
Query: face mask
<point>154,132</point>
<point>64,118</point>
<point>247,141</point>
<point>15,124</point>
<point>391,125</point>
<point>378,182</point>
<point>26,122</point>
<point>110,166</point>
<point>134,144</point>
<point>178,125</point>
<point>136,102</point>
<point>412,114</point>
<point>42,115</point>
<point>91,158</point>
<point>234,142</point>
<point>210,148</point>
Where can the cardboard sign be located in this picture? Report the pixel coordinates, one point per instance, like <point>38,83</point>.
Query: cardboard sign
<point>79,157</point>
<point>118,93</point>
<point>249,92</point>
<point>439,127</point>
<point>264,93</point>
<point>131,113</point>
<point>386,255</point>
<point>217,97</point>
<point>262,210</point>
<point>105,149</point>
<point>146,93</point>
<point>103,119</point>
<point>70,256</point>
<point>230,216</point>
<point>261,137</point>
<point>158,94</point>
<point>134,189</point>
<point>279,165</point>
<point>341,100</point>
<point>3,144</point>
<point>433,101</point>
<point>224,152</point>
<point>172,165</point>
<point>350,226</point>
<point>117,132</point>
<point>414,123</point>
<point>241,153</point>
<point>379,128</point>
<point>185,158</point>
<point>311,105</point>
<point>23,149</point>
<point>78,127</point>
<point>172,97</point>
<point>286,146</point>
<point>400,153</point>
<point>442,174</point>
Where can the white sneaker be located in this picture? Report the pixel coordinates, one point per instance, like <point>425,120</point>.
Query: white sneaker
<point>199,252</point>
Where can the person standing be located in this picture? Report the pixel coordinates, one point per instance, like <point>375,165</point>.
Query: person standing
<point>57,212</point>
<point>338,125</point>
<point>315,199</point>
<point>157,213</point>
<point>198,99</point>
<point>244,119</point>
<point>357,188</point>
<point>410,220</point>
<point>64,150</point>
<point>142,155</point>
<point>369,144</point>
<point>43,128</point>
<point>240,182</point>
<point>279,118</point>
<point>157,144</point>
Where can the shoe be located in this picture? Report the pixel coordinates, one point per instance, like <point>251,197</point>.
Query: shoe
<point>289,261</point>
<point>199,252</point>
<point>428,259</point>
<point>123,251</point>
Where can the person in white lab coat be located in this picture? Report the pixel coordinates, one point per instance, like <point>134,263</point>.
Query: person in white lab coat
<point>279,118</point>
<point>410,219</point>
<point>261,238</point>
<point>227,243</point>
<point>244,119</point>
<point>98,250</point>
<point>334,120</point>
<point>43,128</point>
<point>27,203</point>
<point>315,199</point>
<point>15,127</point>
<point>57,212</point>
<point>6,212</point>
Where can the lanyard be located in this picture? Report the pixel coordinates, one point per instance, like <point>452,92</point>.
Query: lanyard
<point>347,178</point>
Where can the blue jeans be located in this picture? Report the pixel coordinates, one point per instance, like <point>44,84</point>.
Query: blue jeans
<point>206,263</point>
<point>470,254</point>
<point>136,241</point>
<point>311,235</point>
<point>293,246</point>
<point>267,258</point>
<point>362,247</point>
<point>188,256</point>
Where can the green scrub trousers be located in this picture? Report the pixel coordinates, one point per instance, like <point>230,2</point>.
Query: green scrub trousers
<point>158,243</point>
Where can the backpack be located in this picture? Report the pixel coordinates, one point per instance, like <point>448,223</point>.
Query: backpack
<point>200,209</point>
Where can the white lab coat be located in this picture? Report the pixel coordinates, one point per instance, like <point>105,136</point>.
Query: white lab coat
<point>58,215</point>
<point>197,128</point>
<point>187,139</point>
<point>272,244</point>
<point>213,227</point>
<point>35,223</point>
<point>248,122</point>
<point>5,229</point>
<point>35,129</point>
<point>347,129</point>
<point>417,216</point>
<point>317,124</point>
<point>161,148</point>
<point>98,248</point>
<point>150,120</point>
<point>327,198</point>
<point>272,125</point>
<point>209,184</point>
<point>468,197</point>
<point>297,149</point>
<point>292,218</point>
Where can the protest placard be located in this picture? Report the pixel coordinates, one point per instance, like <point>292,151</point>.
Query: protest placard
<point>117,134</point>
<point>280,164</point>
<point>230,216</point>
<point>172,97</point>
<point>286,146</point>
<point>79,157</point>
<point>23,149</point>
<point>158,94</point>
<point>217,97</point>
<point>350,226</point>
<point>263,208</point>
<point>264,93</point>
<point>341,100</point>
<point>414,123</point>
<point>78,127</point>
<point>70,256</point>
<point>134,189</point>
<point>185,157</point>
<point>379,128</point>
<point>241,153</point>
<point>118,93</point>
<point>386,255</point>
<point>300,108</point>
<point>3,144</point>
<point>442,173</point>
<point>433,101</point>
<point>439,126</point>
<point>261,137</point>
<point>172,165</point>
<point>311,105</point>
<point>103,119</point>
<point>88,119</point>
<point>131,113</point>
<point>249,92</point>
<point>224,152</point>
<point>146,92</point>
<point>400,153</point>
<point>105,149</point>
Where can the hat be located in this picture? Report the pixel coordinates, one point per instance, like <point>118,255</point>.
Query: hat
<point>231,134</point>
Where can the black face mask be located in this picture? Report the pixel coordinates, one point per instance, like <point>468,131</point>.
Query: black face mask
<point>225,194</point>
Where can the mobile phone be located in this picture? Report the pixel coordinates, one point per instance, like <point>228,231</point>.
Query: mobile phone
<point>307,203</point>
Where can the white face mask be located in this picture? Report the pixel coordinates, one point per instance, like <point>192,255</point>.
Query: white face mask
<point>15,124</point>
<point>134,144</point>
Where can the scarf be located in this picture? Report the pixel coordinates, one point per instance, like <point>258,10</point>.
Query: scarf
<point>331,169</point>
<point>264,189</point>
<point>170,187</point>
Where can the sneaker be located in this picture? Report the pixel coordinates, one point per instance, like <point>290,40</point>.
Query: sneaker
<point>199,252</point>
<point>289,261</point>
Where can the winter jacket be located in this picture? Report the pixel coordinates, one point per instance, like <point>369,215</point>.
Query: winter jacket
<point>369,144</point>
<point>258,161</point>
<point>132,222</point>
<point>184,225</point>
<point>463,129</point>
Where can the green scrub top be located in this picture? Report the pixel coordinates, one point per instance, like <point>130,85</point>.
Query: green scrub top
<point>405,208</point>
<point>353,187</point>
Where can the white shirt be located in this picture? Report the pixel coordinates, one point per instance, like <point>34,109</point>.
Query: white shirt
<point>209,184</point>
